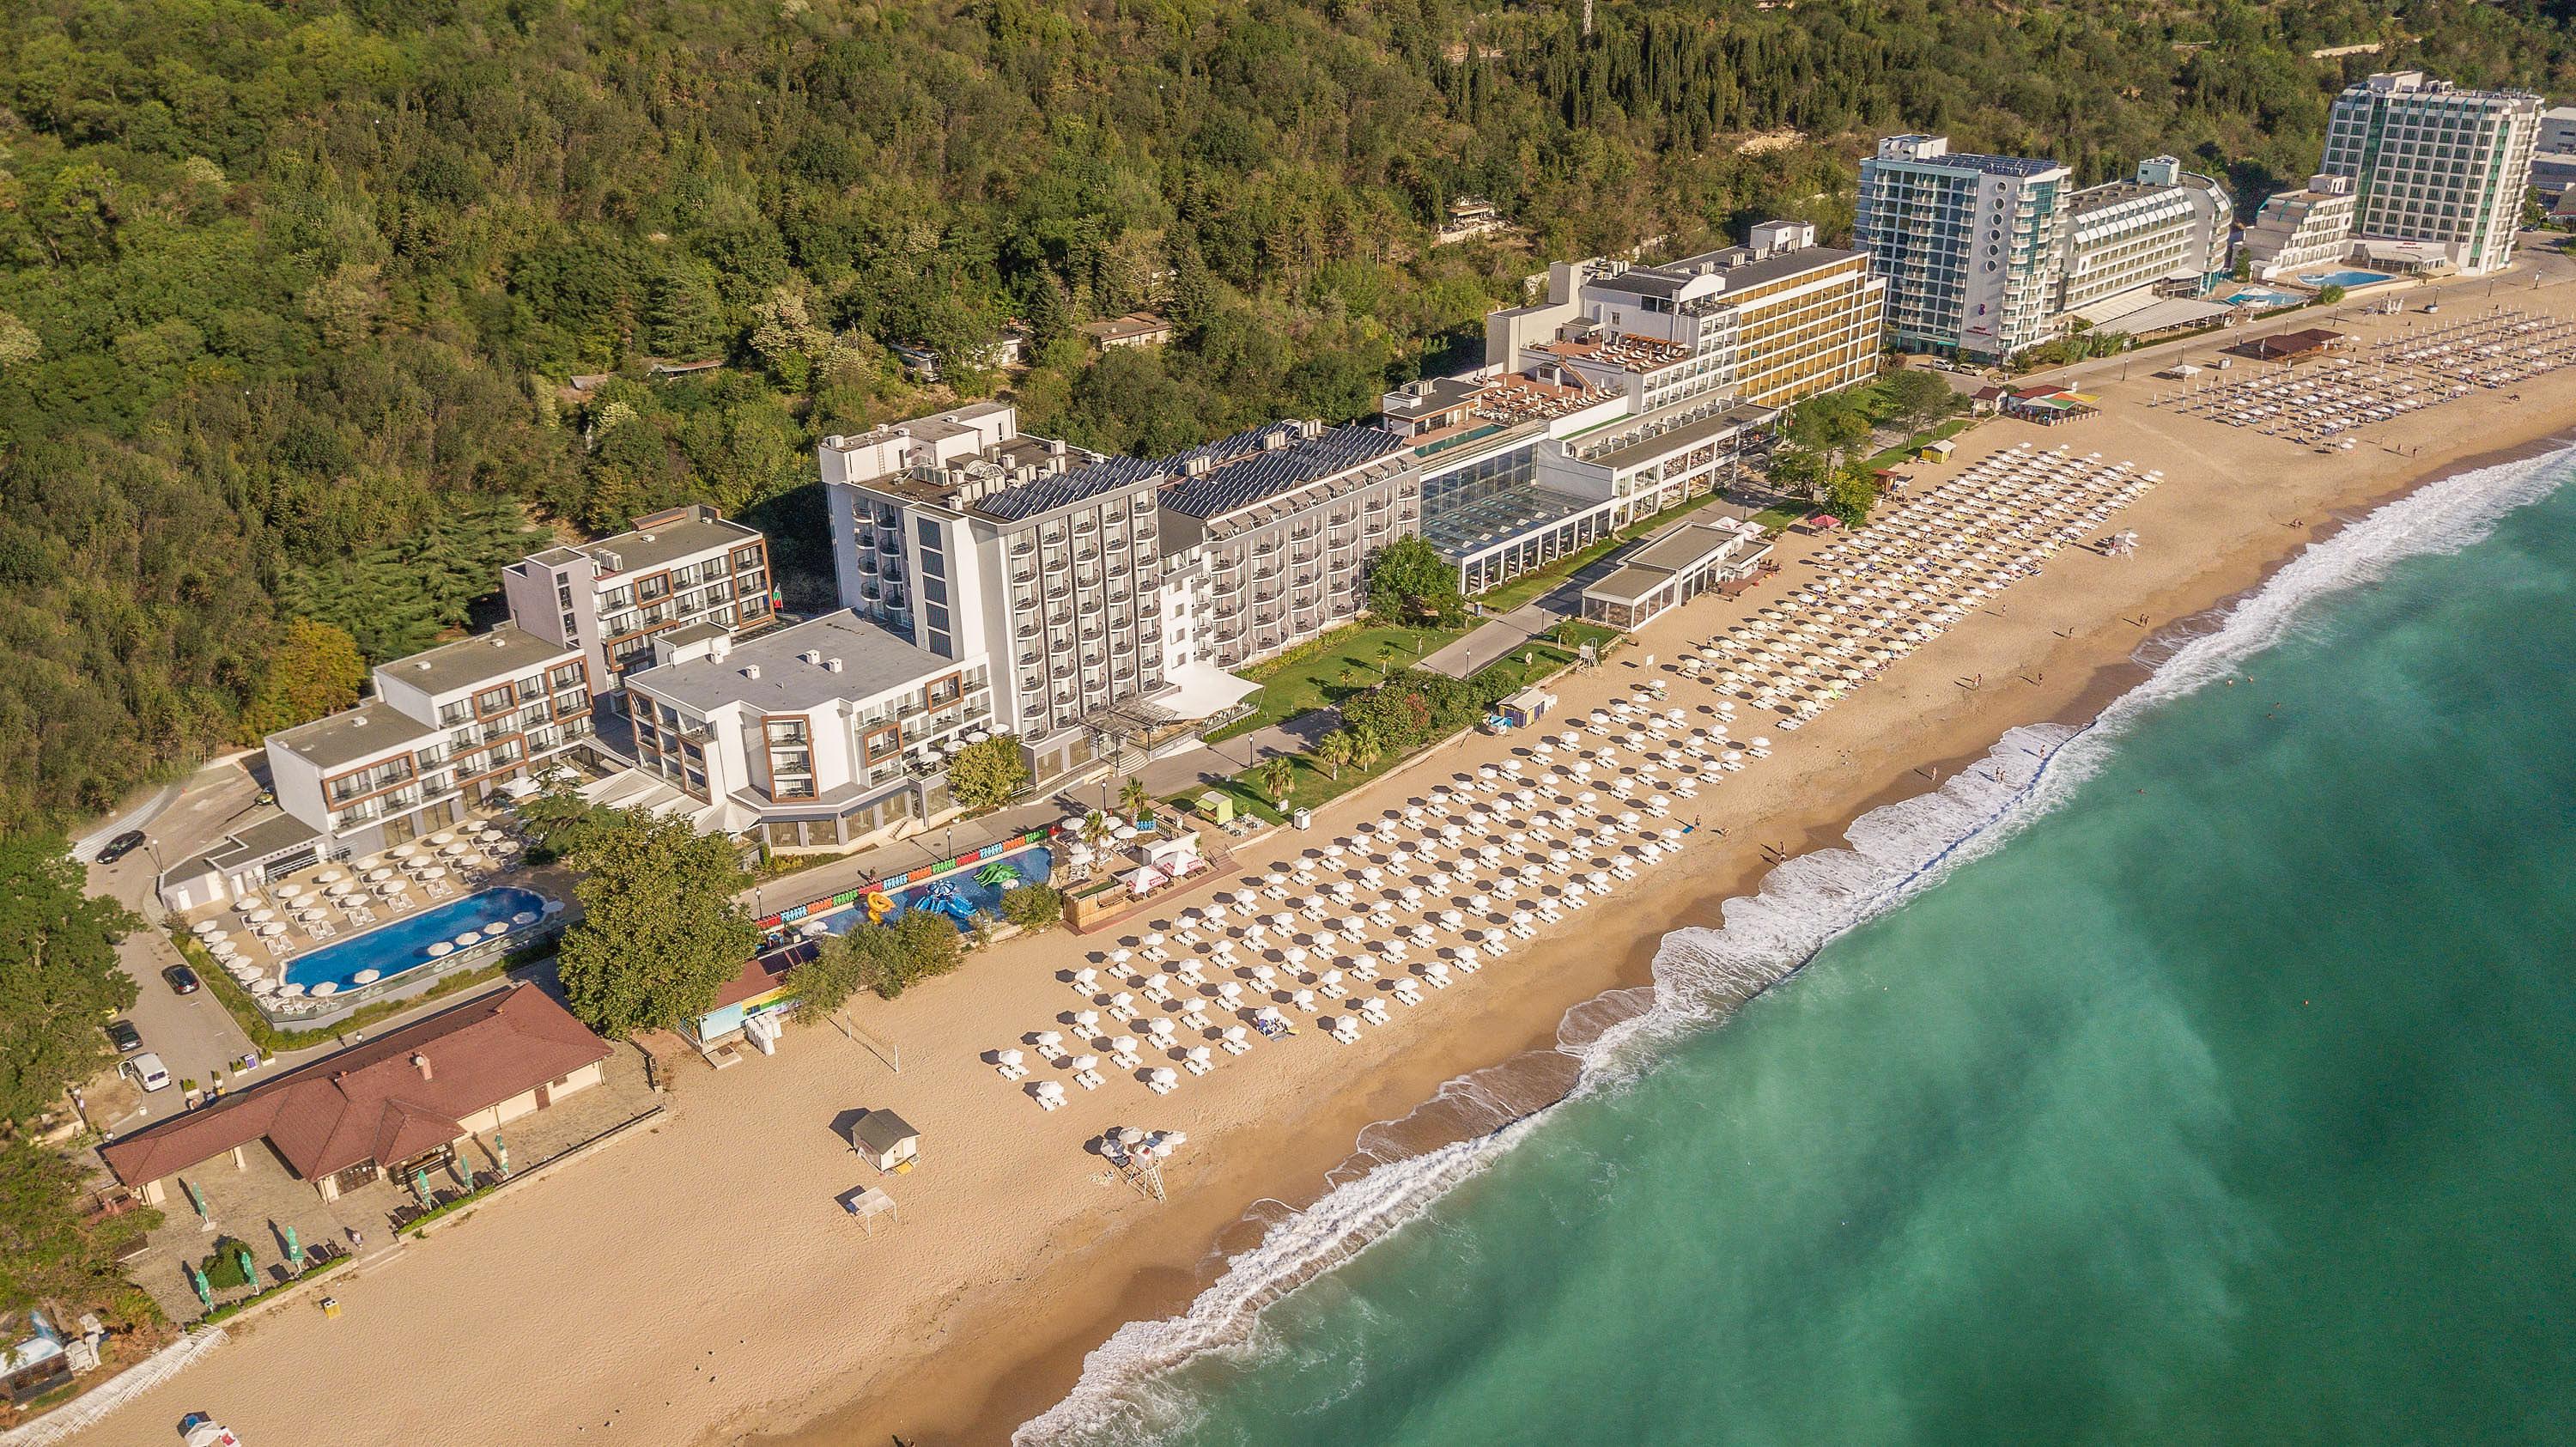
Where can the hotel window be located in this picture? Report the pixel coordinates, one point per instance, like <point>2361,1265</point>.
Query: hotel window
<point>493,700</point>
<point>879,744</point>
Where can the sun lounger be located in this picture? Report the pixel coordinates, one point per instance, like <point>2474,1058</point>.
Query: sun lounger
<point>1407,993</point>
<point>1345,1030</point>
<point>1087,1079</point>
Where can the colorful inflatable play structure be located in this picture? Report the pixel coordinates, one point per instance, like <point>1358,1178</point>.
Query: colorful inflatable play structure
<point>879,906</point>
<point>945,899</point>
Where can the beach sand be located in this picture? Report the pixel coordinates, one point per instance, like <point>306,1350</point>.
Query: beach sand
<point>702,1284</point>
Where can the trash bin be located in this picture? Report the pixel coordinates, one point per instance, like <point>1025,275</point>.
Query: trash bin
<point>1303,818</point>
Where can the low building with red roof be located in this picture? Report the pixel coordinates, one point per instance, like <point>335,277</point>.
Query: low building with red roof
<point>393,1104</point>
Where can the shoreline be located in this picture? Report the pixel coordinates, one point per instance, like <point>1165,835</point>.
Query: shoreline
<point>1010,1388</point>
<point>703,1284</point>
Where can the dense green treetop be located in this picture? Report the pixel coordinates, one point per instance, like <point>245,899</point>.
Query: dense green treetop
<point>660,931</point>
<point>293,294</point>
<point>59,980</point>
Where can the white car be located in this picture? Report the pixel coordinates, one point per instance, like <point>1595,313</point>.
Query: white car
<point>147,1071</point>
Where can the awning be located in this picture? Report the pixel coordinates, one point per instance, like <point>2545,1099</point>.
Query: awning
<point>1202,689</point>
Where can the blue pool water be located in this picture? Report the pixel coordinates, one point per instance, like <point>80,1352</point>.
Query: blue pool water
<point>1036,862</point>
<point>404,944</point>
<point>2347,278</point>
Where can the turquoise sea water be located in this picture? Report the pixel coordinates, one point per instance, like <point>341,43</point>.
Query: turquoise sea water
<point>2217,1089</point>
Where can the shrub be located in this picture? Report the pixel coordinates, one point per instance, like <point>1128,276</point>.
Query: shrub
<point>1034,906</point>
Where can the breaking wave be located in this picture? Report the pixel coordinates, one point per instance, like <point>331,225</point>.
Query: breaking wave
<point>1127,1392</point>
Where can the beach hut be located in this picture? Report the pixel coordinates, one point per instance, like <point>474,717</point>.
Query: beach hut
<point>887,1140</point>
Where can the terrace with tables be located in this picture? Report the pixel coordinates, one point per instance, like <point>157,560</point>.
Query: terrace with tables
<point>316,945</point>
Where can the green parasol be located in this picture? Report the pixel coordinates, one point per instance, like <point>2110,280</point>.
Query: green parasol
<point>294,1252</point>
<point>197,1279</point>
<point>501,1153</point>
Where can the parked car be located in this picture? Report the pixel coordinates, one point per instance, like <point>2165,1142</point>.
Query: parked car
<point>146,1070</point>
<point>123,1035</point>
<point>183,981</point>
<point>120,846</point>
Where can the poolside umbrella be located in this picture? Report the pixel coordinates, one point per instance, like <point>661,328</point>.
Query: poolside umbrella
<point>249,1272</point>
<point>420,1182</point>
<point>294,1252</point>
<point>197,1279</point>
<point>501,1153</point>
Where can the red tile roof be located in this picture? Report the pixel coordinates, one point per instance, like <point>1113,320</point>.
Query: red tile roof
<point>372,1102</point>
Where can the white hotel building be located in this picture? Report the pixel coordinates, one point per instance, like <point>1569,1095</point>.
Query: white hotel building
<point>2438,173</point>
<point>611,598</point>
<point>825,734</point>
<point>1971,246</point>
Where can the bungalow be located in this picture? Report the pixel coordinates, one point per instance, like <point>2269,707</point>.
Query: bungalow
<point>1136,329</point>
<point>397,1104</point>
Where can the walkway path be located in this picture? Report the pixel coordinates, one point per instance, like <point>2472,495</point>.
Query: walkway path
<point>1508,631</point>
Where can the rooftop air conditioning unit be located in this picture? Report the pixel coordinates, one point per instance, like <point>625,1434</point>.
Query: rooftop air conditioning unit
<point>751,671</point>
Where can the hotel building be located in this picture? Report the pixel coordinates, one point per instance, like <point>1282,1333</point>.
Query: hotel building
<point>2165,230</point>
<point>828,733</point>
<point>986,547</point>
<point>1629,390</point>
<point>1271,530</point>
<point>1970,246</point>
<point>2432,165</point>
<point>446,731</point>
<point>2296,231</point>
<point>610,598</point>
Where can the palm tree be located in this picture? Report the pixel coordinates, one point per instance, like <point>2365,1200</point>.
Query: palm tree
<point>1095,828</point>
<point>1132,798</point>
<point>1279,778</point>
<point>1365,749</point>
<point>1332,751</point>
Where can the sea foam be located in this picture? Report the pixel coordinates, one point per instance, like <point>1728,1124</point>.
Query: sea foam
<point>1127,1392</point>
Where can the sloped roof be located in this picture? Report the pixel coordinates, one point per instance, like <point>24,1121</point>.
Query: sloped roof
<point>372,1102</point>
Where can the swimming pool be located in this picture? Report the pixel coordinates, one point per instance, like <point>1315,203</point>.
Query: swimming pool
<point>2347,278</point>
<point>391,949</point>
<point>1033,864</point>
<point>2259,296</point>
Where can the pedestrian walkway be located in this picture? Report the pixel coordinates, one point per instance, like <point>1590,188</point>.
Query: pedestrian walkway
<point>1507,632</point>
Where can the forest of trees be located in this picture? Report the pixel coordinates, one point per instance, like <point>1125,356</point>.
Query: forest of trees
<point>291,292</point>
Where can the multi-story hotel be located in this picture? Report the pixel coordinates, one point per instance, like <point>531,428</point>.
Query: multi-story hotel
<point>2435,166</point>
<point>612,597</point>
<point>446,730</point>
<point>827,733</point>
<point>1270,532</point>
<point>978,543</point>
<point>1767,323</point>
<point>1970,246</point>
<point>2299,230</point>
<point>2166,229</point>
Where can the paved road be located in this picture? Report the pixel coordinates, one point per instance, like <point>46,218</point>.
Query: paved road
<point>193,1035</point>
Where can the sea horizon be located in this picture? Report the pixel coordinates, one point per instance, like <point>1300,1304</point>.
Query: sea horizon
<point>1258,1334</point>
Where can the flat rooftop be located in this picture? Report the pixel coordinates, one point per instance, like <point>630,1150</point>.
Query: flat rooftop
<point>644,549</point>
<point>873,661</point>
<point>507,649</point>
<point>372,728</point>
<point>1716,427</point>
<point>1239,477</point>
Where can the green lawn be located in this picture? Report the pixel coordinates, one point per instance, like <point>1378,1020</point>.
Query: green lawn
<point>1331,669</point>
<point>1538,581</point>
<point>1316,785</point>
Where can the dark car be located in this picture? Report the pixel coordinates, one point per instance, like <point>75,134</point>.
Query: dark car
<point>123,1035</point>
<point>183,981</point>
<point>120,846</point>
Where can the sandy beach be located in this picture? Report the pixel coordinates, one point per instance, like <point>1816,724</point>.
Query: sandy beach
<point>702,1284</point>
